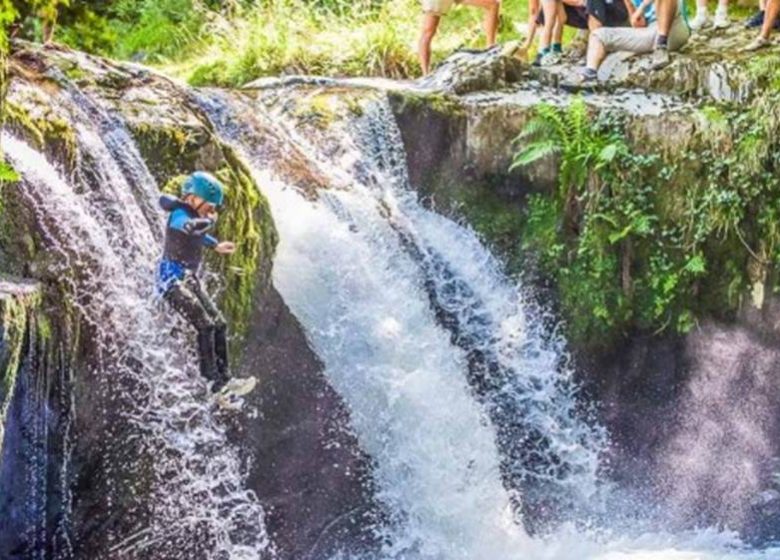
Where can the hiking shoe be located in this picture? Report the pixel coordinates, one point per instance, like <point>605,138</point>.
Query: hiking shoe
<point>661,58</point>
<point>756,20</point>
<point>721,20</point>
<point>756,44</point>
<point>229,395</point>
<point>550,59</point>
<point>701,21</point>
<point>582,79</point>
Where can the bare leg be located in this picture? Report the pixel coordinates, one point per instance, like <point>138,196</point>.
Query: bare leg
<point>772,11</point>
<point>596,53</point>
<point>561,21</point>
<point>430,23</point>
<point>665,10</point>
<point>48,32</point>
<point>490,21</point>
<point>550,9</point>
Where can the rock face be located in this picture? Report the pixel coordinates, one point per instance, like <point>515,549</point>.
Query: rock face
<point>306,467</point>
<point>305,462</point>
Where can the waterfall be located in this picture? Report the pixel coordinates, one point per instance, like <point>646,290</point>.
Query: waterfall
<point>364,267</point>
<point>168,467</point>
<point>457,380</point>
<point>458,384</point>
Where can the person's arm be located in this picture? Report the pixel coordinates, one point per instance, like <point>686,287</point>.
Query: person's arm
<point>637,14</point>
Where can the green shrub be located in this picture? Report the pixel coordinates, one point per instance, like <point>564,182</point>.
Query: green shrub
<point>652,241</point>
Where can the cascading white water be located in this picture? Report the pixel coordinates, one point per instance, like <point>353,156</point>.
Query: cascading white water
<point>367,270</point>
<point>107,244</point>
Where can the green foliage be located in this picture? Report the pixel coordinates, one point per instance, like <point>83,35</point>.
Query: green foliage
<point>7,173</point>
<point>651,240</point>
<point>231,42</point>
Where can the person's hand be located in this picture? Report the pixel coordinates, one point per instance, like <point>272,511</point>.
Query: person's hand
<point>638,19</point>
<point>225,248</point>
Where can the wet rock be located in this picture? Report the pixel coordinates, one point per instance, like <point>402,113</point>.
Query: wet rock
<point>305,462</point>
<point>17,303</point>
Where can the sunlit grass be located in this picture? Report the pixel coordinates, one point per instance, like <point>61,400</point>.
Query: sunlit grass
<point>292,37</point>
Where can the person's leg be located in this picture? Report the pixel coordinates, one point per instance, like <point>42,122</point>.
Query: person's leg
<point>219,329</point>
<point>550,11</point>
<point>557,40</point>
<point>428,27</point>
<point>770,18</point>
<point>702,18</point>
<point>490,21</point>
<point>721,20</point>
<point>771,12</point>
<point>666,12</point>
<point>757,19</point>
<point>188,305</point>
<point>610,39</point>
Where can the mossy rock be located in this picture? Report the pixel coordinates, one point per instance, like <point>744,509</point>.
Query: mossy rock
<point>19,302</point>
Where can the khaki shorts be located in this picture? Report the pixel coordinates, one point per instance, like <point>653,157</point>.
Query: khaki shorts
<point>438,7</point>
<point>641,39</point>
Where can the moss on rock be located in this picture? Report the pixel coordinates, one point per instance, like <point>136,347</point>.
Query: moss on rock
<point>18,307</point>
<point>40,125</point>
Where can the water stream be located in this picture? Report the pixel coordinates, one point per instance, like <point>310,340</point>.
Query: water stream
<point>163,448</point>
<point>458,384</point>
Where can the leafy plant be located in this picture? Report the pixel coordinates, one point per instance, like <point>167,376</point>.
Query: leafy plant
<point>650,240</point>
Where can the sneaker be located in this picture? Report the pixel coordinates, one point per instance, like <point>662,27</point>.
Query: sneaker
<point>756,44</point>
<point>661,58</point>
<point>229,395</point>
<point>582,79</point>
<point>550,59</point>
<point>701,21</point>
<point>756,20</point>
<point>721,20</point>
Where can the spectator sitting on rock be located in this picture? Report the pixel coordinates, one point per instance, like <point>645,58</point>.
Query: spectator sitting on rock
<point>586,16</point>
<point>433,10</point>
<point>702,19</point>
<point>770,21</point>
<point>669,31</point>
<point>614,13</point>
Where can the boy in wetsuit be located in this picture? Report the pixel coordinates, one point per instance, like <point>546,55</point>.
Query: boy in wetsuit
<point>187,233</point>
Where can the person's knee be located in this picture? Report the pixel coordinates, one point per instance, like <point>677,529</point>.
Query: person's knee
<point>430,25</point>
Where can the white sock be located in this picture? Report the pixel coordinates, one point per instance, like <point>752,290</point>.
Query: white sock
<point>701,11</point>
<point>722,10</point>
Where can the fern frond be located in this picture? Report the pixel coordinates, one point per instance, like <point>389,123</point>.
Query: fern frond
<point>534,152</point>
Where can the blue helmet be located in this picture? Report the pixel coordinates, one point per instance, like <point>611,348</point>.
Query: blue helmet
<point>205,186</point>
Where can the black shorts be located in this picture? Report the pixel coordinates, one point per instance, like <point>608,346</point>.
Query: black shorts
<point>576,16</point>
<point>610,13</point>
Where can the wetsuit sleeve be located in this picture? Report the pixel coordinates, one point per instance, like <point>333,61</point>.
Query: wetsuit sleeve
<point>181,221</point>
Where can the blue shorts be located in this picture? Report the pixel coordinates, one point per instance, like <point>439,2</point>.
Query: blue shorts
<point>168,273</point>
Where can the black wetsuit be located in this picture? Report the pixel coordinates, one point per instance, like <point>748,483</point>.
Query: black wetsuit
<point>178,283</point>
